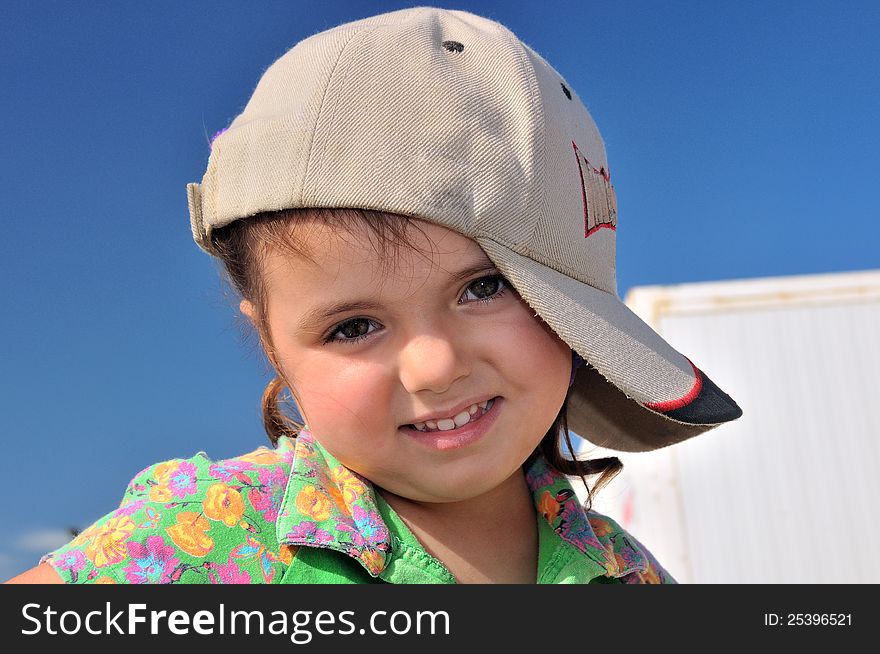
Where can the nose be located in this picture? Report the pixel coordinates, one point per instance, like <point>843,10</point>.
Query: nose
<point>432,362</point>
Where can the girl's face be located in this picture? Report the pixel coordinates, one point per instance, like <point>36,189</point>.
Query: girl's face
<point>432,334</point>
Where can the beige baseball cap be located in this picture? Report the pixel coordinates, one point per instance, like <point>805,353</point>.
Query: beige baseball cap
<point>449,117</point>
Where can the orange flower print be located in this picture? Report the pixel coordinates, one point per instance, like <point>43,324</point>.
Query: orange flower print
<point>303,449</point>
<point>612,566</point>
<point>224,503</point>
<point>161,491</point>
<point>107,545</point>
<point>104,580</point>
<point>650,576</point>
<point>548,506</point>
<point>189,534</point>
<point>621,561</point>
<point>352,488</point>
<point>600,527</point>
<point>262,455</point>
<point>85,535</point>
<point>313,503</point>
<point>173,478</point>
<point>336,494</point>
<point>286,553</point>
<point>373,560</point>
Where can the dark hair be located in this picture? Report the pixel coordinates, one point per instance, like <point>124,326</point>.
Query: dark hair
<point>240,247</point>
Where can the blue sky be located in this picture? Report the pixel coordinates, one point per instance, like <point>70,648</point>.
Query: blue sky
<point>743,139</point>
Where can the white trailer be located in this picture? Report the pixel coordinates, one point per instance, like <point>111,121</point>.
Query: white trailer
<point>788,493</point>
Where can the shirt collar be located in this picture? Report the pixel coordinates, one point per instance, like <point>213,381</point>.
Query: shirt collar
<point>597,537</point>
<point>330,506</point>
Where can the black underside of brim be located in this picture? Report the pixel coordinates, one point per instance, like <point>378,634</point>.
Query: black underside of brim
<point>712,405</point>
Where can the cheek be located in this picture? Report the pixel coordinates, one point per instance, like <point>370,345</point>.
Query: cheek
<point>530,346</point>
<point>342,407</point>
<point>343,398</point>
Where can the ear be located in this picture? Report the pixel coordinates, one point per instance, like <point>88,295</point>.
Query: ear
<point>247,308</point>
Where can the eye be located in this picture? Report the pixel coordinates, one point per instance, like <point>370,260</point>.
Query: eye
<point>488,288</point>
<point>353,330</point>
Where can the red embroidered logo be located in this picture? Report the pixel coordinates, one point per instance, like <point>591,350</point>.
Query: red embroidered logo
<point>600,203</point>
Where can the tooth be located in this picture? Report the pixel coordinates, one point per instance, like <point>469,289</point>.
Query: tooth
<point>446,424</point>
<point>431,424</point>
<point>420,426</point>
<point>472,409</point>
<point>482,405</point>
<point>461,419</point>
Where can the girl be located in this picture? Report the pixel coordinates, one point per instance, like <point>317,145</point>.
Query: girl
<point>418,214</point>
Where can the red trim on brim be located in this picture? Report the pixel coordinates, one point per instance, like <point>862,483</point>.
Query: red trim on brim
<point>600,226</point>
<point>684,400</point>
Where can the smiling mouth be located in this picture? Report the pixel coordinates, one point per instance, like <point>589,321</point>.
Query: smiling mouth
<point>471,414</point>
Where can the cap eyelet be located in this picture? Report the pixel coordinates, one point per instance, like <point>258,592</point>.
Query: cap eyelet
<point>566,91</point>
<point>453,46</point>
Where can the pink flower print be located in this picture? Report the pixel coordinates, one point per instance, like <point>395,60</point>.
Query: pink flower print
<point>540,475</point>
<point>229,470</point>
<point>227,574</point>
<point>275,477</point>
<point>626,554</point>
<point>182,481</point>
<point>73,561</point>
<point>308,532</point>
<point>267,500</point>
<point>575,528</point>
<point>367,528</point>
<point>129,507</point>
<point>152,563</point>
<point>138,475</point>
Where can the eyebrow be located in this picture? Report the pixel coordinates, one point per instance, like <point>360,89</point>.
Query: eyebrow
<point>311,319</point>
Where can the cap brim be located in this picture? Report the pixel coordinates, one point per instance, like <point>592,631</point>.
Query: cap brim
<point>637,393</point>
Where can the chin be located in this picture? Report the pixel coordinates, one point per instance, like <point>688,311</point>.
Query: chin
<point>467,487</point>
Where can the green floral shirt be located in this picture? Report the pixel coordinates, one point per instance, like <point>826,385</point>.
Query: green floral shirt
<point>296,515</point>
